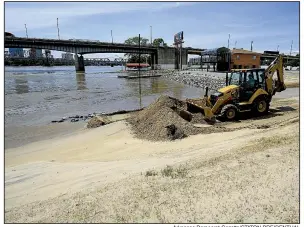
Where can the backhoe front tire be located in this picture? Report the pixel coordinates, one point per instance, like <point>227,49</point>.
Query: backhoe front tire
<point>261,106</point>
<point>229,112</point>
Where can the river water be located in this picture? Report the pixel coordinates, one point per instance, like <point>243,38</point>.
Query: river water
<point>38,95</point>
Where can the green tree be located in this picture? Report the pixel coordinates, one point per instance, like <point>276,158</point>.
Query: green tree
<point>134,41</point>
<point>134,58</point>
<point>295,63</point>
<point>159,42</point>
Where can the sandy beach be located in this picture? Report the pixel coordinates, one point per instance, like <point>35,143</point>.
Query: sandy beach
<point>106,174</point>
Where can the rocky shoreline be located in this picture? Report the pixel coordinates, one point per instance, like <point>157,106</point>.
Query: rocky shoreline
<point>201,79</point>
<point>216,80</point>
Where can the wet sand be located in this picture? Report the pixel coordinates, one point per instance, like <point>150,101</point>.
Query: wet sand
<point>17,136</point>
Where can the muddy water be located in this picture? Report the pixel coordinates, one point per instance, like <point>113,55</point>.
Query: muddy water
<point>34,96</point>
<point>37,95</point>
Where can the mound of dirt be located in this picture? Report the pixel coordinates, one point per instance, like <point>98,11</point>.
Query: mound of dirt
<point>98,121</point>
<point>167,119</point>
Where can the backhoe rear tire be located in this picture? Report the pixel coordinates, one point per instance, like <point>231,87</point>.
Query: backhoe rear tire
<point>261,106</point>
<point>229,112</point>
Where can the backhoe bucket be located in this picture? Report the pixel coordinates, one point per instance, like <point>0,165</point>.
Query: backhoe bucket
<point>208,115</point>
<point>201,106</point>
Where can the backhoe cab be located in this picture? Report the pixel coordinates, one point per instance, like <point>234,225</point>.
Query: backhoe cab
<point>246,90</point>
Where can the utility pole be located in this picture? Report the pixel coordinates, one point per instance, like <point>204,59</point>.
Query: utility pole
<point>112,36</point>
<point>278,47</point>
<point>181,63</point>
<point>235,44</point>
<point>58,28</point>
<point>251,45</point>
<point>290,52</point>
<point>139,82</point>
<point>25,30</point>
<point>228,40</point>
<point>151,34</point>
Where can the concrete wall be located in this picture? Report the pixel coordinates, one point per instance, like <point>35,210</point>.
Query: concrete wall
<point>166,66</point>
<point>168,58</point>
<point>170,66</point>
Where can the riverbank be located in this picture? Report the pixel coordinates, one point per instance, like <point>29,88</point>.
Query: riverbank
<point>23,135</point>
<point>106,174</point>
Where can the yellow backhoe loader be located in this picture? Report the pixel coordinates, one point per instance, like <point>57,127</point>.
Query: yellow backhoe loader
<point>246,90</point>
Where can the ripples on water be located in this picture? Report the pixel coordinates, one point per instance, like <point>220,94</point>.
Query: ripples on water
<point>37,95</point>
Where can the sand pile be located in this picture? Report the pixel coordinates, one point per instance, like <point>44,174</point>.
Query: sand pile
<point>167,119</point>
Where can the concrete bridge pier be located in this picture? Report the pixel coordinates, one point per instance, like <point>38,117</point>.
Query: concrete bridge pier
<point>79,64</point>
<point>170,58</point>
<point>166,58</point>
<point>153,61</point>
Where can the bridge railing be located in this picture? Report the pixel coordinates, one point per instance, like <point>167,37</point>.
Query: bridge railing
<point>78,40</point>
<point>149,45</point>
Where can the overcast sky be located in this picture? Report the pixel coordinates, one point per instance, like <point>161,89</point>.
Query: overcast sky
<point>205,24</point>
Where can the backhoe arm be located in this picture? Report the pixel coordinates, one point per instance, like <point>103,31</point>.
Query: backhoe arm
<point>276,65</point>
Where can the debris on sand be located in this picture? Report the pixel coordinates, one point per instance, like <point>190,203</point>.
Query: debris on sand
<point>98,121</point>
<point>167,119</point>
<point>174,132</point>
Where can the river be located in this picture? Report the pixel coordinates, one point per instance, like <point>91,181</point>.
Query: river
<point>34,96</point>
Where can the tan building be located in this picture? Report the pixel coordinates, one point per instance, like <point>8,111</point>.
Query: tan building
<point>244,59</point>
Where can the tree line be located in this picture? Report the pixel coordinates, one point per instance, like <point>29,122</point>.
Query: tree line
<point>134,58</point>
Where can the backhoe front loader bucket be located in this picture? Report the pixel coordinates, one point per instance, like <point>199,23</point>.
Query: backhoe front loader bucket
<point>201,106</point>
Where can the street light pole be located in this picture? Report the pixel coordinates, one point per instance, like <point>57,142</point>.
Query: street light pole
<point>58,29</point>
<point>278,47</point>
<point>290,52</point>
<point>26,30</point>
<point>112,36</point>
<point>151,35</point>
<point>228,40</point>
<point>251,45</point>
<point>139,82</point>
